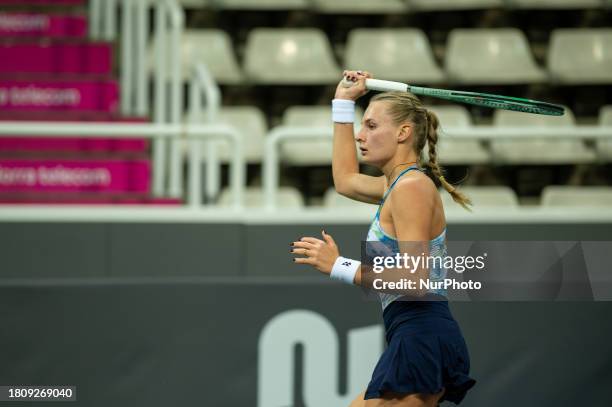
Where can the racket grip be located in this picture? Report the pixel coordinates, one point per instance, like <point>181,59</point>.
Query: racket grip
<point>385,86</point>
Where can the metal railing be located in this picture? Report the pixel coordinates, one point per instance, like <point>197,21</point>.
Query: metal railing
<point>194,135</point>
<point>168,26</point>
<point>204,88</point>
<point>281,134</point>
<point>271,155</point>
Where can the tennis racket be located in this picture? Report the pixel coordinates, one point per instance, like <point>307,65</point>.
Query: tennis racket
<point>472,98</point>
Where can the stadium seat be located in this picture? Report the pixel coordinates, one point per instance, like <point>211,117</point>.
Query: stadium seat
<point>491,56</point>
<point>251,123</point>
<point>538,151</point>
<point>332,199</point>
<point>310,152</point>
<point>261,4</point>
<point>287,197</point>
<point>453,152</point>
<point>315,116</point>
<point>439,5</point>
<point>452,115</point>
<point>559,195</point>
<point>554,4</point>
<point>300,56</point>
<point>394,54</point>
<point>359,6</point>
<point>194,3</point>
<point>604,147</point>
<point>581,56</point>
<point>213,48</point>
<point>483,196</point>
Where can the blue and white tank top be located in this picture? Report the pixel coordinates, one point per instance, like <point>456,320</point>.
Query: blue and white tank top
<point>437,248</point>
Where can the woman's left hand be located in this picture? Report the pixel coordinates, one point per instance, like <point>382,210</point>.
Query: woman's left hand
<point>318,253</point>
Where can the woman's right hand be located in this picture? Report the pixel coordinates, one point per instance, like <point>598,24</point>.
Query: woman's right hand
<point>357,90</point>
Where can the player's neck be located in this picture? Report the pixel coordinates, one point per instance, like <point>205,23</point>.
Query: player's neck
<point>393,169</point>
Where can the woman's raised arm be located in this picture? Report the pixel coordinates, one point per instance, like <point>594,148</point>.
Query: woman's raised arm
<point>345,167</point>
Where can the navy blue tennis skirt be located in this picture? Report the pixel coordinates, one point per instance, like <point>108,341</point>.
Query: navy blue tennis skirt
<point>425,352</point>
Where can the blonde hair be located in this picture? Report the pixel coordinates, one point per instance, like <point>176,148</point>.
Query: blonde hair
<point>404,106</point>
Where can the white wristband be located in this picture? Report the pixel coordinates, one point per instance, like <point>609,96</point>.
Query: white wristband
<point>343,111</point>
<point>345,269</point>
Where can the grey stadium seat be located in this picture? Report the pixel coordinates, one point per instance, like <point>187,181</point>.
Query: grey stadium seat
<point>359,6</point>
<point>581,56</point>
<point>213,48</point>
<point>554,4</point>
<point>261,4</point>
<point>483,196</point>
<point>491,56</point>
<point>435,5</point>
<point>401,54</point>
<point>576,196</point>
<point>604,147</point>
<point>300,56</point>
<point>452,152</point>
<point>194,3</point>
<point>287,197</point>
<point>310,152</point>
<point>538,151</point>
<point>251,123</point>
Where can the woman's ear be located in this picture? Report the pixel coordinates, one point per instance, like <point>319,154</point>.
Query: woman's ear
<point>404,133</point>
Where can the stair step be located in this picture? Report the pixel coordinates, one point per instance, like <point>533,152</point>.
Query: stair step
<point>42,25</point>
<point>63,95</point>
<point>108,176</point>
<point>20,58</point>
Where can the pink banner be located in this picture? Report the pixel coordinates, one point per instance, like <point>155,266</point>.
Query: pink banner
<point>57,58</point>
<point>103,176</point>
<point>100,95</point>
<point>85,199</point>
<point>71,116</point>
<point>39,25</point>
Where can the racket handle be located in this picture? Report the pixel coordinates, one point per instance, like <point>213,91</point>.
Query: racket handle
<point>386,86</point>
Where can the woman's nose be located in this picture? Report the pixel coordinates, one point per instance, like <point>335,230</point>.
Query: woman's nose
<point>359,136</point>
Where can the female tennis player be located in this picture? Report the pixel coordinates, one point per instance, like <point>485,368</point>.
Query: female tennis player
<point>426,359</point>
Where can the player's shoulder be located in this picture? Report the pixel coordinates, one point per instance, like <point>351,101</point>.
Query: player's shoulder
<point>415,182</point>
<point>416,187</point>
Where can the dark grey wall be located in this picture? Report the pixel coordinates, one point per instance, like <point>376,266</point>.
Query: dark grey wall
<point>187,249</point>
<point>195,343</point>
<point>170,314</point>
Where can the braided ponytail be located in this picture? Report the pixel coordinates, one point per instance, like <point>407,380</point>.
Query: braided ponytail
<point>405,106</point>
<point>431,132</point>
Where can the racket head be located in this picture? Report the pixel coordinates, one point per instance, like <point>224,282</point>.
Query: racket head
<point>492,101</point>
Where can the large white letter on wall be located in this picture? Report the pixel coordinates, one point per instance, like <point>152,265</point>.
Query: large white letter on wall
<point>321,360</point>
